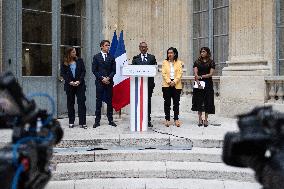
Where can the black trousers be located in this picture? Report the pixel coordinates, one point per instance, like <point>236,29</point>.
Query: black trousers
<point>150,92</point>
<point>168,94</point>
<point>104,93</point>
<point>79,92</point>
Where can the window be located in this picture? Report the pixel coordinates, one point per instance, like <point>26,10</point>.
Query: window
<point>210,28</point>
<point>280,37</point>
<point>36,35</point>
<point>73,17</point>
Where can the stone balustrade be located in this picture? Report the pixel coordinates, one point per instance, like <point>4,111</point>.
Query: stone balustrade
<point>187,82</point>
<point>274,89</point>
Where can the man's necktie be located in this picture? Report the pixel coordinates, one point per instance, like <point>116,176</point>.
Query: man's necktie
<point>105,56</point>
<point>144,58</point>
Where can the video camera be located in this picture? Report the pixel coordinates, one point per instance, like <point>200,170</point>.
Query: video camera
<point>25,163</point>
<point>259,145</point>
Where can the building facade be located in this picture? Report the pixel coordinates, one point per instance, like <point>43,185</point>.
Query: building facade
<point>246,38</point>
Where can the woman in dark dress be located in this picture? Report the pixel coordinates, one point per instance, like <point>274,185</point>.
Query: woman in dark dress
<point>203,98</point>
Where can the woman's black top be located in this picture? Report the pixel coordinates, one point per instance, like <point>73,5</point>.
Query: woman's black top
<point>203,99</point>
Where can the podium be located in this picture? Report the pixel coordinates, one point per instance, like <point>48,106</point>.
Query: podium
<point>139,94</point>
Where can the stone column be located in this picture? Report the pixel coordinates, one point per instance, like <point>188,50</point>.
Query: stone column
<point>251,55</point>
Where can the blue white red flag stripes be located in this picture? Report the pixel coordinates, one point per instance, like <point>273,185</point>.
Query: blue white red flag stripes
<point>121,88</point>
<point>138,97</point>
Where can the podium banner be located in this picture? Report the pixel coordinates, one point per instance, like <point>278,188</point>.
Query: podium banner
<point>139,101</point>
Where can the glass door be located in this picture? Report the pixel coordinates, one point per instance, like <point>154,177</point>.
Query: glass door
<point>73,19</point>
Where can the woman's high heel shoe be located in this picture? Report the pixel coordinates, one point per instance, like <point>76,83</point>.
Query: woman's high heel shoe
<point>206,124</point>
<point>200,123</point>
<point>167,123</point>
<point>177,123</point>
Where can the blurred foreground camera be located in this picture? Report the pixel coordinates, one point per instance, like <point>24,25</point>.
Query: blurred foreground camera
<point>259,145</point>
<point>24,164</point>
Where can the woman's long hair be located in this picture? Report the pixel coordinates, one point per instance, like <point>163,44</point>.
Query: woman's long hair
<point>200,59</point>
<point>175,53</point>
<point>67,58</point>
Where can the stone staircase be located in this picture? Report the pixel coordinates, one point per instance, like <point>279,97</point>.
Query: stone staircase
<point>145,161</point>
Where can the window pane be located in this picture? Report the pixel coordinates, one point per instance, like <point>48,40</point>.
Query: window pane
<point>217,50</point>
<point>281,2</point>
<point>36,27</point>
<point>70,31</point>
<point>73,18</point>
<point>281,43</point>
<point>220,49</point>
<point>73,7</point>
<point>199,5</point>
<point>220,3</point>
<point>200,25</point>
<point>220,21</point>
<point>196,25</point>
<point>225,48</point>
<point>43,5</point>
<point>281,67</point>
<point>220,54</point>
<point>195,49</point>
<point>36,60</point>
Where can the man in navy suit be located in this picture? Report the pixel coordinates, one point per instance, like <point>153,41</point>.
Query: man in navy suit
<point>145,58</point>
<point>103,68</point>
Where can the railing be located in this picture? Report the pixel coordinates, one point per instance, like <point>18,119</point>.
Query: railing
<point>187,82</point>
<point>274,89</point>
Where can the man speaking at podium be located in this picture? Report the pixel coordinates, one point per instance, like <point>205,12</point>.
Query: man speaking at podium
<point>145,58</point>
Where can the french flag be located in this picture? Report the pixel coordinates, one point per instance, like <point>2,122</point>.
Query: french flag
<point>121,88</point>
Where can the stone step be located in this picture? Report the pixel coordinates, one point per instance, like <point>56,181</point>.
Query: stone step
<point>143,142</point>
<point>82,155</point>
<point>150,183</point>
<point>149,169</point>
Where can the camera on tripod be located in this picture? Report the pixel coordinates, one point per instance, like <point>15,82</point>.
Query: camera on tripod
<point>24,164</point>
<point>258,145</point>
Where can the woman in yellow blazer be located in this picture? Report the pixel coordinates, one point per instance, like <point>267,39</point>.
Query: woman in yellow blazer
<point>172,73</point>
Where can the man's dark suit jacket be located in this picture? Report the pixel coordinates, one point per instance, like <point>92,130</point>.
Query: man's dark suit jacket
<point>67,75</point>
<point>151,60</point>
<point>101,68</point>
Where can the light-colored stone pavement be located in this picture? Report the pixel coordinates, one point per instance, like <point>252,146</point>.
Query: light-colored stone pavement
<point>189,129</point>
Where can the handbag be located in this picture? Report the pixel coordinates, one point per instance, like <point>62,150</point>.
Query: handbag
<point>201,86</point>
